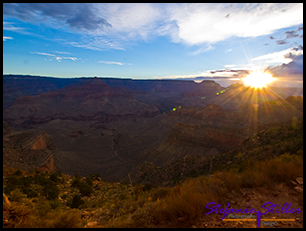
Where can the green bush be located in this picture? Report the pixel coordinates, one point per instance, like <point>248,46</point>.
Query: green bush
<point>18,173</point>
<point>85,189</point>
<point>51,192</point>
<point>16,195</point>
<point>89,180</point>
<point>76,201</point>
<point>30,193</point>
<point>55,204</point>
<point>75,183</point>
<point>54,177</point>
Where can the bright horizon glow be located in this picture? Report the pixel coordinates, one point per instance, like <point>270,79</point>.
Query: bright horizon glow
<point>258,79</point>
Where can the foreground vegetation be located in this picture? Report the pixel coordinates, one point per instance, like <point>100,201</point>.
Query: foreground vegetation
<point>57,200</point>
<point>75,201</point>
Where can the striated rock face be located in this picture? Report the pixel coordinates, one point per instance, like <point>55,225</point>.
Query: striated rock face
<point>42,142</point>
<point>6,128</point>
<point>48,165</point>
<point>28,150</point>
<point>92,100</point>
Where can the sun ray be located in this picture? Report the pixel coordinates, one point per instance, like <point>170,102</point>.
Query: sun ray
<point>258,79</point>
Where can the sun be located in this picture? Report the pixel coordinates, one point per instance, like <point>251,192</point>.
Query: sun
<point>258,79</point>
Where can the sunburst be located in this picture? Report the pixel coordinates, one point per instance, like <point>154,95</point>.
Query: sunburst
<point>258,79</point>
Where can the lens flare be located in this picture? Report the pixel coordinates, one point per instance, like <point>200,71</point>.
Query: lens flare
<point>258,79</point>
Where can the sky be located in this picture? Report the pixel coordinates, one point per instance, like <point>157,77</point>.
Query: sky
<point>221,41</point>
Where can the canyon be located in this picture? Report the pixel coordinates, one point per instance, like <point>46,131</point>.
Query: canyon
<point>114,126</point>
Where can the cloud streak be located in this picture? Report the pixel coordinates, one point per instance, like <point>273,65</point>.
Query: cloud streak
<point>112,62</point>
<point>280,57</point>
<point>5,38</point>
<point>58,58</point>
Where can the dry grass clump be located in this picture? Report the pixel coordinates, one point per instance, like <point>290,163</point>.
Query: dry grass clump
<point>281,169</point>
<point>188,200</point>
<point>25,217</point>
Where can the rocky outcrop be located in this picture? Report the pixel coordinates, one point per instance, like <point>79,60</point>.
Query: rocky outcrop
<point>48,165</point>
<point>28,150</point>
<point>6,128</point>
<point>6,202</point>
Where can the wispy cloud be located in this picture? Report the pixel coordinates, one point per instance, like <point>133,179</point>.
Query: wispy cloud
<point>202,50</point>
<point>229,65</point>
<point>280,56</point>
<point>11,27</point>
<point>94,43</point>
<point>112,62</point>
<point>62,52</point>
<point>224,73</point>
<point>58,58</point>
<point>6,38</point>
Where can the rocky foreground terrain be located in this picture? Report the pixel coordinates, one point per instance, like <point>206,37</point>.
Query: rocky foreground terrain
<point>28,150</point>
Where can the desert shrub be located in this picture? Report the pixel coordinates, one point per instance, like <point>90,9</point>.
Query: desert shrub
<point>51,192</point>
<point>75,183</point>
<point>66,219</point>
<point>85,189</point>
<point>54,177</point>
<point>251,178</point>
<point>148,187</point>
<point>97,176</point>
<point>41,179</point>
<point>231,179</point>
<point>299,152</point>
<point>93,176</point>
<point>29,192</point>
<point>25,181</point>
<point>190,198</point>
<point>55,204</point>
<point>43,208</point>
<point>124,182</point>
<point>89,180</point>
<point>18,172</point>
<point>160,193</point>
<point>16,195</point>
<point>16,181</point>
<point>9,187</point>
<point>77,176</point>
<point>20,218</point>
<point>287,157</point>
<point>284,169</point>
<point>76,201</point>
<point>59,173</point>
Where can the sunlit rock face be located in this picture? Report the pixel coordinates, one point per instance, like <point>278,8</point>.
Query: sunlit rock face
<point>28,150</point>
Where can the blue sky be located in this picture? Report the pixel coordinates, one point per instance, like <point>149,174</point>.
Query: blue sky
<point>153,41</point>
